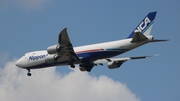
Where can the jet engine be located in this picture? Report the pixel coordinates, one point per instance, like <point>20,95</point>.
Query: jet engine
<point>115,64</point>
<point>54,49</point>
<point>52,58</point>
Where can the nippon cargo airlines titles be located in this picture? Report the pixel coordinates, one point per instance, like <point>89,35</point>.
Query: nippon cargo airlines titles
<point>88,56</point>
<point>37,57</point>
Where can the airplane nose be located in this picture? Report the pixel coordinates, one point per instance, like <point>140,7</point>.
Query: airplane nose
<point>19,63</point>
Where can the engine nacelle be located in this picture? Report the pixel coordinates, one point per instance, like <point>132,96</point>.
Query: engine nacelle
<point>114,64</point>
<point>54,49</point>
<point>52,58</point>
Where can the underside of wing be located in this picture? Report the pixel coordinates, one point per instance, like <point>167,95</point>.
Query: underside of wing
<point>66,46</point>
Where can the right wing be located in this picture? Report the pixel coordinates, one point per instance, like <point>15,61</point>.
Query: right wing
<point>117,62</point>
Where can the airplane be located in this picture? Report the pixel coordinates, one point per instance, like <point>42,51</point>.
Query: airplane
<point>87,56</point>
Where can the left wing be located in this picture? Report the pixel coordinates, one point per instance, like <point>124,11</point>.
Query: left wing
<point>63,51</point>
<point>67,50</point>
<point>117,62</point>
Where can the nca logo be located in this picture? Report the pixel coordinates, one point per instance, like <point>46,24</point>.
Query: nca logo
<point>143,25</point>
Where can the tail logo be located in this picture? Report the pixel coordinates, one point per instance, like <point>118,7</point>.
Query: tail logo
<point>143,25</point>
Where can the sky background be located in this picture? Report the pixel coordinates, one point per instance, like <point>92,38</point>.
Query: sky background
<point>29,25</point>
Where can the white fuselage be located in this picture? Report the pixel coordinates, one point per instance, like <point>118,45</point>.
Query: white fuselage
<point>36,59</point>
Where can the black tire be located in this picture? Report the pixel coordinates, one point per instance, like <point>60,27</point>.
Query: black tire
<point>72,66</point>
<point>28,74</point>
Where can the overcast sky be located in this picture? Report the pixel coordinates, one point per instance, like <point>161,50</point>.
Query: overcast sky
<point>29,25</point>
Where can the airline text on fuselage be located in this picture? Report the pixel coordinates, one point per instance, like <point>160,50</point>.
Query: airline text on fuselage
<point>37,57</point>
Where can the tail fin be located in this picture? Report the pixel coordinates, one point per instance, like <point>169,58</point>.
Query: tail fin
<point>145,25</point>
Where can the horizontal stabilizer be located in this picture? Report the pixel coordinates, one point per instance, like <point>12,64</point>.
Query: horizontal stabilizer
<point>156,40</point>
<point>142,57</point>
<point>138,37</point>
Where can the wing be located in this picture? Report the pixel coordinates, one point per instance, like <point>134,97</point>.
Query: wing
<point>63,37</point>
<point>117,62</point>
<point>63,51</point>
<point>66,48</point>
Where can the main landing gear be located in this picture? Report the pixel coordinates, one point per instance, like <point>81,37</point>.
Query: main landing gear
<point>29,72</point>
<point>72,66</point>
<point>71,63</point>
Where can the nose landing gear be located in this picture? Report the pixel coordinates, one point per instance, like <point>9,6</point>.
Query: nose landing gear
<point>29,72</point>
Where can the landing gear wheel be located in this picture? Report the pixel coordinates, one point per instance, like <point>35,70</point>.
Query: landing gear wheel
<point>71,63</point>
<point>28,74</point>
<point>72,66</point>
<point>81,65</point>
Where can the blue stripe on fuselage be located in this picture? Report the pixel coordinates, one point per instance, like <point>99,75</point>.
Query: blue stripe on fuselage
<point>99,55</point>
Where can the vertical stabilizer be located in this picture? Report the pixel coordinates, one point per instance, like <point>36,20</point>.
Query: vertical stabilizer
<point>145,25</point>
